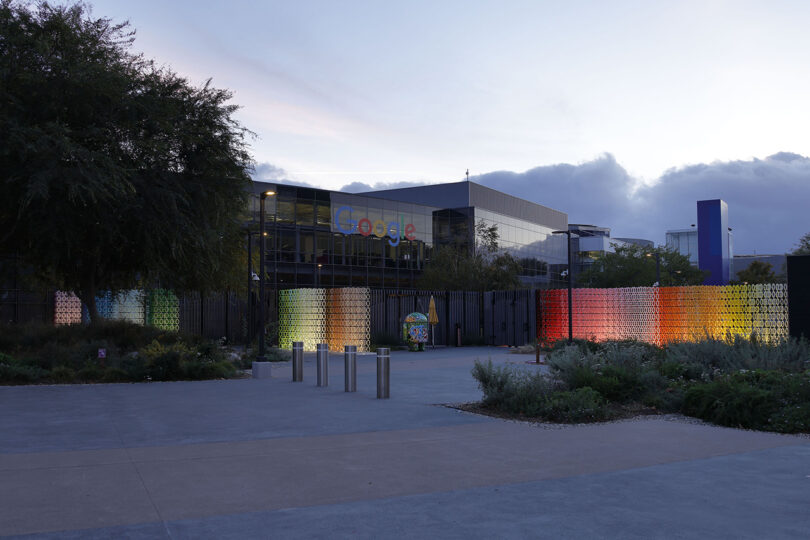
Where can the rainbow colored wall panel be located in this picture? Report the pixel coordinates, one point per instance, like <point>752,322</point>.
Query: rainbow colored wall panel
<point>348,320</point>
<point>336,317</point>
<point>662,315</point>
<point>158,307</point>
<point>123,306</point>
<point>67,308</point>
<point>163,309</point>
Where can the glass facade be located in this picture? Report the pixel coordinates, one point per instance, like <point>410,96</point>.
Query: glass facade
<point>323,238</point>
<point>541,254</point>
<point>685,242</point>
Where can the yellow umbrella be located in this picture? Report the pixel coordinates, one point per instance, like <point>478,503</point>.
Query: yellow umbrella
<point>433,318</point>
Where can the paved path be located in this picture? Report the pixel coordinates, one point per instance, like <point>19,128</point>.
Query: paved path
<point>275,459</point>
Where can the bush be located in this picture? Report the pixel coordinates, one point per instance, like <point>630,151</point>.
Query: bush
<point>63,375</point>
<point>205,369</point>
<point>615,369</point>
<point>533,394</point>
<point>14,373</point>
<point>718,356</point>
<point>494,382</point>
<point>766,400</point>
<point>91,371</point>
<point>163,362</point>
<point>70,353</point>
<point>580,405</point>
<point>712,380</point>
<point>114,374</point>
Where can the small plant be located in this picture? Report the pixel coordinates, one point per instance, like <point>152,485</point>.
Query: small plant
<point>576,406</point>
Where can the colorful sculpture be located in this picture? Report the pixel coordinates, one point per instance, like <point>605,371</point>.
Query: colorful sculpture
<point>415,331</point>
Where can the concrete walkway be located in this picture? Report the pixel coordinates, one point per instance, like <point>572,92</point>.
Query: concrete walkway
<point>275,459</point>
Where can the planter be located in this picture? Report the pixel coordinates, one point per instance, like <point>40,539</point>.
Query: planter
<point>261,370</point>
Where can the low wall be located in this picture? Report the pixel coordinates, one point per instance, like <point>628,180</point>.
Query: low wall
<point>663,315</point>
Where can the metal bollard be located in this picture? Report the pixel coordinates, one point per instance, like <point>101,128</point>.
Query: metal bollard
<point>322,360</point>
<point>350,367</point>
<point>298,361</point>
<point>383,373</point>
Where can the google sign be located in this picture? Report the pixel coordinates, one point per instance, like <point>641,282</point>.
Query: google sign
<point>394,230</point>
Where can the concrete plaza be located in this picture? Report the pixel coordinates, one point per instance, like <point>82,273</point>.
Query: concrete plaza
<point>269,458</point>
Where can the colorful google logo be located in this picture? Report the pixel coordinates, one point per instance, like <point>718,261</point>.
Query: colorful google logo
<point>394,230</point>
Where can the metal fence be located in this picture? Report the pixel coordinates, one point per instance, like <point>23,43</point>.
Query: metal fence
<point>492,318</point>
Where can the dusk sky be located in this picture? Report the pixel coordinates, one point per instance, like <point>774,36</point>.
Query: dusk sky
<point>619,113</point>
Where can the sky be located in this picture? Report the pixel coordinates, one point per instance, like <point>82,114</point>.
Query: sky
<point>620,113</point>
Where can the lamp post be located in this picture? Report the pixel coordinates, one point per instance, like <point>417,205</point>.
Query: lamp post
<point>251,277</point>
<point>570,288</point>
<point>657,267</point>
<point>262,308</point>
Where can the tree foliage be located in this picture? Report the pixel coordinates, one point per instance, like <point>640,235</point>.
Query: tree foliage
<point>484,268</point>
<point>113,170</point>
<point>803,248</point>
<point>757,272</point>
<point>635,266</point>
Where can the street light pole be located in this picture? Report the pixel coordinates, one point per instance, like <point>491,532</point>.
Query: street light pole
<point>262,308</point>
<point>657,267</point>
<point>249,285</point>
<point>570,287</point>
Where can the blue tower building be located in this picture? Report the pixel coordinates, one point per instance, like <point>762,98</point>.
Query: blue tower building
<point>714,251</point>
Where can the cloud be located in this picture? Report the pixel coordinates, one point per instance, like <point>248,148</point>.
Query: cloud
<point>267,172</point>
<point>359,187</point>
<point>595,192</point>
<point>768,198</point>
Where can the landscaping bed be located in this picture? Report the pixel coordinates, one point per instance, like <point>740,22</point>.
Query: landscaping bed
<point>110,352</point>
<point>734,382</point>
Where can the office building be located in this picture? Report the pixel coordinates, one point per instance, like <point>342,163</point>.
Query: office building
<point>322,238</point>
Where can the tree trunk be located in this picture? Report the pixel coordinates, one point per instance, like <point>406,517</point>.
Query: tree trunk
<point>88,297</point>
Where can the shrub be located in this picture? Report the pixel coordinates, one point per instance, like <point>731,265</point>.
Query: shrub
<point>580,405</point>
<point>718,356</point>
<point>493,381</point>
<point>162,362</point>
<point>14,373</point>
<point>767,400</point>
<point>62,374</point>
<point>684,370</point>
<point>114,374</point>
<point>199,369</point>
<point>91,371</point>
<point>615,370</point>
<point>520,392</point>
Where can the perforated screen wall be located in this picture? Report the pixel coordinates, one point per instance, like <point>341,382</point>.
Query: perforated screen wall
<point>666,314</point>
<point>163,309</point>
<point>67,308</point>
<point>336,317</point>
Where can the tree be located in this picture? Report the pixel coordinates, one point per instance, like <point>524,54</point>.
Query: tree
<point>757,272</point>
<point>635,266</point>
<point>114,171</point>
<point>803,248</point>
<point>484,268</point>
